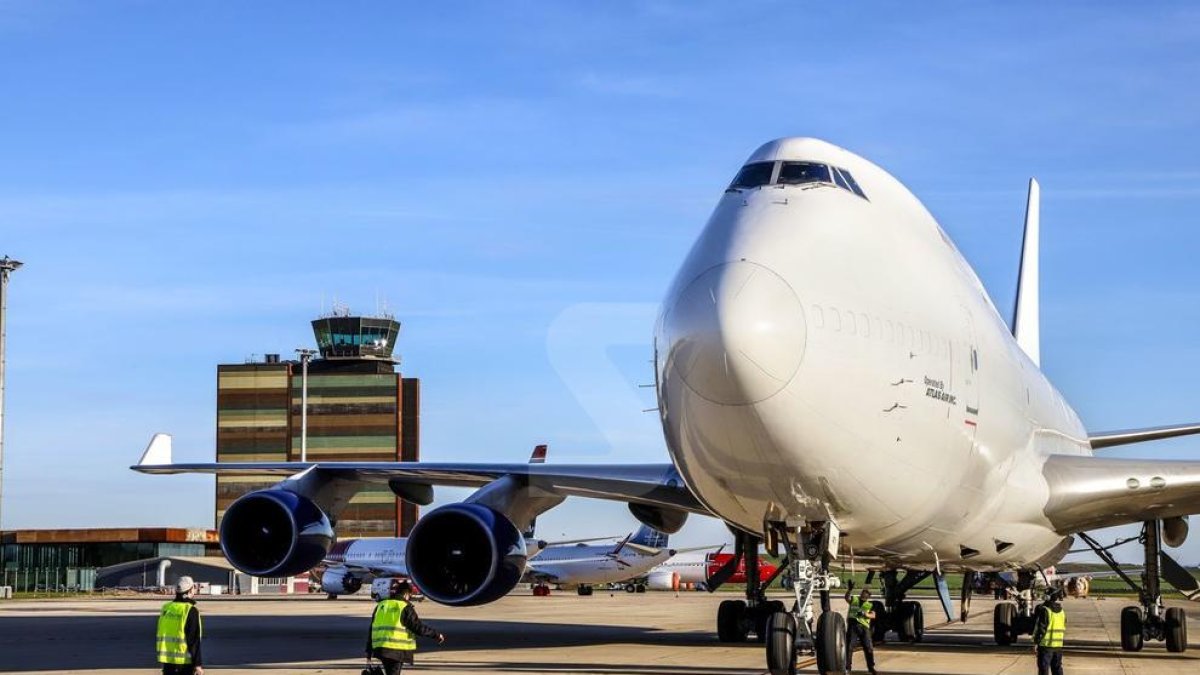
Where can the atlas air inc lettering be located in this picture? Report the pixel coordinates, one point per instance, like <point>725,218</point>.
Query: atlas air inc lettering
<point>937,389</point>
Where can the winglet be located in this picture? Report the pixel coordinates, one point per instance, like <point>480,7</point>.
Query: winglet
<point>1026,324</point>
<point>158,453</point>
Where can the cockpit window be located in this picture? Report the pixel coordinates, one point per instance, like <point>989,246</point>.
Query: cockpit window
<point>840,179</point>
<point>759,174</point>
<point>799,173</point>
<point>754,175</point>
<point>853,184</point>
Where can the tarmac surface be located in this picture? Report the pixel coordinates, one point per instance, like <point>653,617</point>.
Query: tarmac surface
<point>619,634</point>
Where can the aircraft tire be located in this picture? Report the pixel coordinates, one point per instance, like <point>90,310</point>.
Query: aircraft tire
<point>584,590</point>
<point>1132,638</point>
<point>781,643</point>
<point>1004,623</point>
<point>911,626</point>
<point>1175,630</point>
<point>730,624</point>
<point>831,643</point>
<point>639,588</point>
<point>629,588</point>
<point>916,614</point>
<point>762,616</point>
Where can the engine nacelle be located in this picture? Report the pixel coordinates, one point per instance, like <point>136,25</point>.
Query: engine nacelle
<point>465,554</point>
<point>1175,531</point>
<point>275,533</point>
<point>338,581</point>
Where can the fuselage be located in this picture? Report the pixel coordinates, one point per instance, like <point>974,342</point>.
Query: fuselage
<point>825,353</point>
<point>582,564</point>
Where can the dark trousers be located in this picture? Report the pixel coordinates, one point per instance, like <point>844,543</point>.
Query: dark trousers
<point>857,631</point>
<point>391,666</point>
<point>172,669</point>
<point>1049,661</point>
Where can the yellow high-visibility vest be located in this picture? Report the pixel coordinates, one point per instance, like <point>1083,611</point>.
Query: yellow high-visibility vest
<point>1056,629</point>
<point>386,630</point>
<point>859,611</point>
<point>172,633</point>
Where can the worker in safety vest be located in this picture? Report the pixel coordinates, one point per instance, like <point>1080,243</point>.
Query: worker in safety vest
<point>179,632</point>
<point>395,627</point>
<point>858,626</point>
<point>1049,629</point>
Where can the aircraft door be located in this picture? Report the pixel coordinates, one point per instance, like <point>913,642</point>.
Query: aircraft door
<point>966,366</point>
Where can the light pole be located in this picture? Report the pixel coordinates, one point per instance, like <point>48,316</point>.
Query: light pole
<point>7,266</point>
<point>305,356</point>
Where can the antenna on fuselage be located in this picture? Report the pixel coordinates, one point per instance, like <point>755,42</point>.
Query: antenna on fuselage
<point>1025,322</point>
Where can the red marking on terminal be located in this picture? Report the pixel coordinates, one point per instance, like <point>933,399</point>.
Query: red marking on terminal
<point>971,423</point>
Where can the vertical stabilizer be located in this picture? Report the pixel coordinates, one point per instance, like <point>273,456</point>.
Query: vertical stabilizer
<point>1026,324</point>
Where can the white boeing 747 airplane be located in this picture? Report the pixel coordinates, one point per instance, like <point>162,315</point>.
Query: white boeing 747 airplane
<point>831,377</point>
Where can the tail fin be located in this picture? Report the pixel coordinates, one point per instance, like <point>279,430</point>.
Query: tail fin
<point>537,457</point>
<point>649,537</point>
<point>1026,324</point>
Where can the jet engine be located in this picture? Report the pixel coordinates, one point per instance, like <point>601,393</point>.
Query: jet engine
<point>275,533</point>
<point>465,554</point>
<point>339,581</point>
<point>1175,531</point>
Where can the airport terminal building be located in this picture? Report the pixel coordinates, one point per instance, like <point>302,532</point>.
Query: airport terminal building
<point>360,408</point>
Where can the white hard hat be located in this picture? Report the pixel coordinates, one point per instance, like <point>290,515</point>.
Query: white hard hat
<point>184,585</point>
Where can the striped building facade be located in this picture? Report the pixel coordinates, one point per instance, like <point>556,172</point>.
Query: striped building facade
<point>358,410</point>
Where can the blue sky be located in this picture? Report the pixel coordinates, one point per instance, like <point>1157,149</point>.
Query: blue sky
<point>190,184</point>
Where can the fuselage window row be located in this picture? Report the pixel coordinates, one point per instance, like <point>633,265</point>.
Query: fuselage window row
<point>760,174</point>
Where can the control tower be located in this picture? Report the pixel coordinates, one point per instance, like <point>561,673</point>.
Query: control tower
<point>360,408</point>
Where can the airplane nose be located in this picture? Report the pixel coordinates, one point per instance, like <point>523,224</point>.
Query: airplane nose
<point>736,333</point>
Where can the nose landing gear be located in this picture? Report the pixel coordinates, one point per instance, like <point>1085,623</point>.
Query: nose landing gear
<point>787,634</point>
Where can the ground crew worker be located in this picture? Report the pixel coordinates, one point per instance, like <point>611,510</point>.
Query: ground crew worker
<point>394,627</point>
<point>179,632</point>
<point>1049,629</point>
<point>859,626</point>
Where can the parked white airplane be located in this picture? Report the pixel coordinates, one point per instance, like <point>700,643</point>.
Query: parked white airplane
<point>585,566</point>
<point>831,375</point>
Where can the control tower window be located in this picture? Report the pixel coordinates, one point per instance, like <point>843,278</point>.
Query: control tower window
<point>754,175</point>
<point>799,173</point>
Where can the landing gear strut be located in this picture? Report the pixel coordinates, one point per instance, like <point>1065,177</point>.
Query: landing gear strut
<point>1014,618</point>
<point>736,619</point>
<point>906,617</point>
<point>1151,620</point>
<point>788,633</point>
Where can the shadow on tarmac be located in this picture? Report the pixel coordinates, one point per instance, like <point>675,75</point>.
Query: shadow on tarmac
<point>268,641</point>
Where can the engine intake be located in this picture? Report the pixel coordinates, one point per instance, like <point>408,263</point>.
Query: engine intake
<point>275,533</point>
<point>465,554</point>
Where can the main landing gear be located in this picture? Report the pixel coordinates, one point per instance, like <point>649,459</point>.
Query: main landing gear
<point>1012,619</point>
<point>905,617</point>
<point>1151,620</point>
<point>737,619</point>
<point>785,633</point>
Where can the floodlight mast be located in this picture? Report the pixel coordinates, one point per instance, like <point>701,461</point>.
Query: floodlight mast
<point>7,266</point>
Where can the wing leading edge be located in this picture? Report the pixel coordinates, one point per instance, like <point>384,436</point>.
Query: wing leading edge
<point>656,485</point>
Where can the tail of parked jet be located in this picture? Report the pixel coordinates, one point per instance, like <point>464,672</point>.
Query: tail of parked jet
<point>649,537</point>
<point>537,457</point>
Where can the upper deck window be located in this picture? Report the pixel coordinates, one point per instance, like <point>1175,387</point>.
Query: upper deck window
<point>754,175</point>
<point>799,173</point>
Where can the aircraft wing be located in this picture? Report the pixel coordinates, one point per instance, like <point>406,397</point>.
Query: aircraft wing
<point>1088,493</point>
<point>649,484</point>
<point>1108,439</point>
